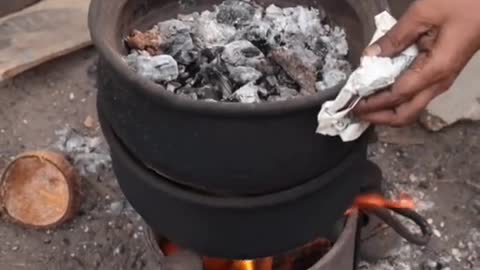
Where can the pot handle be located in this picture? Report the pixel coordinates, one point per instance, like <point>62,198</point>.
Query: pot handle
<point>397,225</point>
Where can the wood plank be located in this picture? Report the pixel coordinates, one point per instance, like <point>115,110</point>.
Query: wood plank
<point>40,33</point>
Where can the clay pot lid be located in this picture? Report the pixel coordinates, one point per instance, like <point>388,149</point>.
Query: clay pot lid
<point>40,190</point>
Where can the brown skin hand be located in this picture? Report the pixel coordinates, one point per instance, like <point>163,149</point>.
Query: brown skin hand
<point>448,35</point>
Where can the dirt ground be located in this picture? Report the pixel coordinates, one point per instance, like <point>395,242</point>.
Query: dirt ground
<point>440,170</point>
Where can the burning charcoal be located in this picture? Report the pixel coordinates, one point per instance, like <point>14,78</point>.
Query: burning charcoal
<point>242,53</point>
<point>244,75</point>
<point>157,68</point>
<point>149,41</point>
<point>247,93</point>
<point>234,12</point>
<point>330,79</point>
<point>303,73</point>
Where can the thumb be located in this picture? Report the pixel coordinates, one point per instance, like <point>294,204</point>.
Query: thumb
<point>414,23</point>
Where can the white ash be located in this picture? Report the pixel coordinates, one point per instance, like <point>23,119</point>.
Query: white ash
<point>241,45</point>
<point>89,155</point>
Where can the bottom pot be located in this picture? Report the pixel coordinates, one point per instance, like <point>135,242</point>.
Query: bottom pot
<point>238,227</point>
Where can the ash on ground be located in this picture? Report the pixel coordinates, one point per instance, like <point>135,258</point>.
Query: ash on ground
<point>242,52</point>
<point>89,155</point>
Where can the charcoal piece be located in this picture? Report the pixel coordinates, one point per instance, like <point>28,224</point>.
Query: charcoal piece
<point>247,94</point>
<point>209,92</point>
<point>210,33</point>
<point>242,53</point>
<point>182,48</point>
<point>331,78</point>
<point>187,92</point>
<point>160,68</point>
<point>285,93</point>
<point>243,75</point>
<point>211,74</point>
<point>336,41</point>
<point>297,68</point>
<point>235,13</point>
<point>172,86</point>
<point>169,29</point>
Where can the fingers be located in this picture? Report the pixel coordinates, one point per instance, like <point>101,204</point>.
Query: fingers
<point>391,98</point>
<point>407,112</point>
<point>409,28</point>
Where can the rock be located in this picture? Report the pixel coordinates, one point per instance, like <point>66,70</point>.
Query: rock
<point>244,74</point>
<point>89,122</point>
<point>116,208</point>
<point>247,93</point>
<point>169,29</point>
<point>460,102</point>
<point>297,68</point>
<point>285,93</point>
<point>158,68</point>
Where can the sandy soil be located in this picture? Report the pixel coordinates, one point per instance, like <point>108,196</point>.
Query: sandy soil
<point>440,170</point>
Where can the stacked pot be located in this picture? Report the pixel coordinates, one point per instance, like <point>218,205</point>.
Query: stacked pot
<point>227,180</point>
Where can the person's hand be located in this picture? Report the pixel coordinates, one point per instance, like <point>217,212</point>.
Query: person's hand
<point>447,33</point>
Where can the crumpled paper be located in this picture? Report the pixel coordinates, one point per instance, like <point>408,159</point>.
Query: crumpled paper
<point>373,74</point>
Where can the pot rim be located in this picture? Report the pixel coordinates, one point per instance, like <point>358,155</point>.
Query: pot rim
<point>100,23</point>
<point>239,202</point>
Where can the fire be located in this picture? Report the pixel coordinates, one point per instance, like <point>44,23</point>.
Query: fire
<point>369,201</point>
<point>301,258</point>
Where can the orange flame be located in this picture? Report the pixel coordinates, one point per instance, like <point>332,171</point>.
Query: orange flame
<point>369,201</point>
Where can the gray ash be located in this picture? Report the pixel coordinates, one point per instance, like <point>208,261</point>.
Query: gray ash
<point>243,52</point>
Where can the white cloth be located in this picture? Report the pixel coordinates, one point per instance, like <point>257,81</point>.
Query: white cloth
<point>373,74</point>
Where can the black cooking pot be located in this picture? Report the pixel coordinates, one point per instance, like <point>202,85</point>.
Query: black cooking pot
<point>226,148</point>
<point>239,227</point>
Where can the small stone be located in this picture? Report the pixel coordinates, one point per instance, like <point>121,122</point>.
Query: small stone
<point>437,233</point>
<point>430,221</point>
<point>431,265</point>
<point>89,122</point>
<point>71,96</point>
<point>116,208</point>
<point>86,229</point>
<point>15,248</point>
<point>118,250</point>
<point>413,178</point>
<point>456,254</point>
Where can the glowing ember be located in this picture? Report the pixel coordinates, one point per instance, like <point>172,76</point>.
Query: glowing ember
<point>369,201</point>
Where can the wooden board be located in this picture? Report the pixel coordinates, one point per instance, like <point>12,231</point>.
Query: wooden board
<point>40,33</point>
